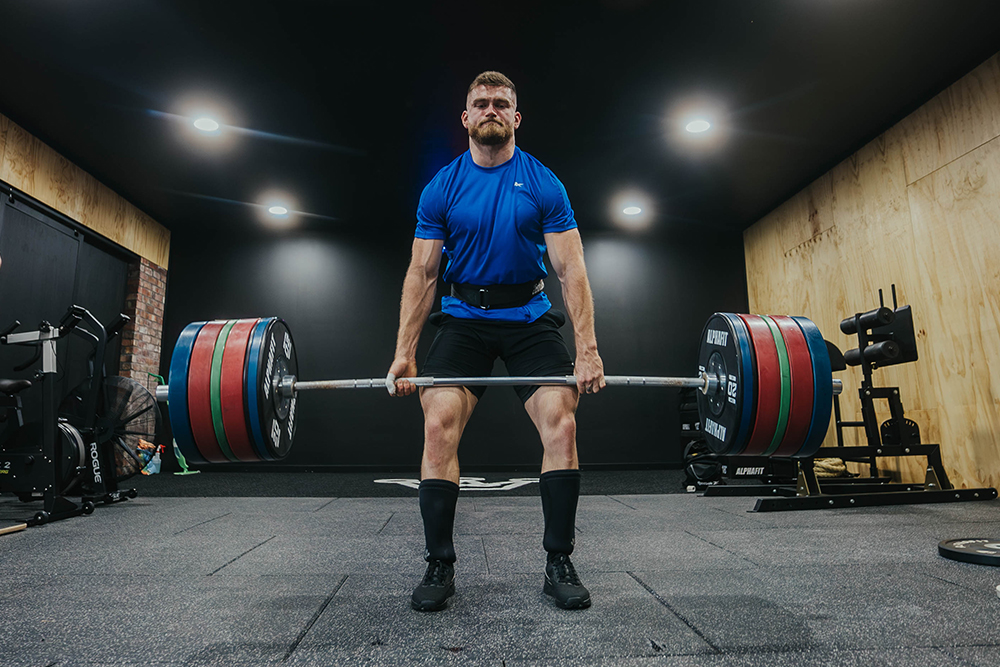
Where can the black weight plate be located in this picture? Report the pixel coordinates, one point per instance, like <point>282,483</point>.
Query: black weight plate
<point>275,414</point>
<point>722,412</point>
<point>977,550</point>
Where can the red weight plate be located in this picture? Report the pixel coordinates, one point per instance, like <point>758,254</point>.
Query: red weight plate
<point>800,361</point>
<point>233,402</point>
<point>768,371</point>
<point>200,393</point>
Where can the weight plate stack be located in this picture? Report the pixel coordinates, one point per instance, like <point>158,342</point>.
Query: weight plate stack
<point>200,393</point>
<point>801,408</point>
<point>822,387</point>
<point>180,423</point>
<point>785,374</point>
<point>216,391</point>
<point>768,384</point>
<point>270,357</point>
<point>724,413</point>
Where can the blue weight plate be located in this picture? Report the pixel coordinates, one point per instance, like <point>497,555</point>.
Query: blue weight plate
<point>745,355</point>
<point>822,387</point>
<point>177,399</point>
<point>254,406</point>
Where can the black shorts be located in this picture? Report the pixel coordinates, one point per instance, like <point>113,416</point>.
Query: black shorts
<point>468,348</point>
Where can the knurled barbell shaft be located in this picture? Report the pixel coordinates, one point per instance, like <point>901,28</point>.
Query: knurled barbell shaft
<point>704,382</point>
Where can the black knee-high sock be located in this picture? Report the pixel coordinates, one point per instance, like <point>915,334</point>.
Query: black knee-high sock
<point>437,507</point>
<point>560,490</point>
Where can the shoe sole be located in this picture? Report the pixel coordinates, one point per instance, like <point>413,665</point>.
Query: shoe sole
<point>430,605</point>
<point>568,603</point>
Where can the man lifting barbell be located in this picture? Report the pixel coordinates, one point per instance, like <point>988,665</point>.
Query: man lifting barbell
<point>493,212</point>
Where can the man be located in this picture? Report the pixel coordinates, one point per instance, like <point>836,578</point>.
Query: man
<point>494,211</point>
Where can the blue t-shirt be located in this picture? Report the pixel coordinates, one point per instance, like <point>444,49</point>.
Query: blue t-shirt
<point>492,221</point>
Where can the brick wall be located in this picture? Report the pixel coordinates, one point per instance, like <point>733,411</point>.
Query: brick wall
<point>146,292</point>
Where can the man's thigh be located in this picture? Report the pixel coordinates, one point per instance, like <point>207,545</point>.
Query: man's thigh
<point>459,350</point>
<point>536,349</point>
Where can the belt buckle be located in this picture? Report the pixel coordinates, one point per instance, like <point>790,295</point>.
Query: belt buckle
<point>484,297</point>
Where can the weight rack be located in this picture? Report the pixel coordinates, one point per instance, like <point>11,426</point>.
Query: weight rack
<point>885,337</point>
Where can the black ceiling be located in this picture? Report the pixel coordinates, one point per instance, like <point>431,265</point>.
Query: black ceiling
<point>351,107</point>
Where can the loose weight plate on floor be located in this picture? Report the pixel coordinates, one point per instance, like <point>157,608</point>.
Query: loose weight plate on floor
<point>725,413</point>
<point>177,393</point>
<point>233,391</point>
<point>801,407</point>
<point>822,387</point>
<point>200,393</point>
<point>270,357</point>
<point>981,551</point>
<point>768,385</point>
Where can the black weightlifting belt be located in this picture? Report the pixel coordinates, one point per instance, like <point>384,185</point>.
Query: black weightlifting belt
<point>497,296</point>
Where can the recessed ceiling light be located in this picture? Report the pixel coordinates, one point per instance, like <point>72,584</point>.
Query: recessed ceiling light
<point>631,210</point>
<point>697,126</point>
<point>278,210</point>
<point>206,124</point>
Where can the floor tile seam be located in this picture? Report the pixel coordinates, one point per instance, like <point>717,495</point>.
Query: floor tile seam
<point>715,649</point>
<point>990,592</point>
<point>731,553</point>
<point>391,514</point>
<point>315,617</point>
<point>326,504</point>
<point>202,523</point>
<point>241,556</point>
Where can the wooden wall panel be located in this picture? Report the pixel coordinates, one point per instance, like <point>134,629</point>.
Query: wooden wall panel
<point>960,119</point>
<point>34,168</point>
<point>919,207</point>
<point>956,220</point>
<point>4,127</point>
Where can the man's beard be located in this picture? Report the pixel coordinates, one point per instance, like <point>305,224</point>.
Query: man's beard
<point>490,133</point>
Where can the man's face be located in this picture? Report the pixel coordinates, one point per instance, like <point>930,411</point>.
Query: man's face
<point>491,115</point>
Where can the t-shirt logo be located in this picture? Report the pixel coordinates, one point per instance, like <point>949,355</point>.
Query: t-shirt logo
<point>517,185</point>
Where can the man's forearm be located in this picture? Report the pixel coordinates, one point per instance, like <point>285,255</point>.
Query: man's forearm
<point>415,305</point>
<point>579,302</point>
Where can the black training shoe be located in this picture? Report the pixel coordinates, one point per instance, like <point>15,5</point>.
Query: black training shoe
<point>563,584</point>
<point>437,586</point>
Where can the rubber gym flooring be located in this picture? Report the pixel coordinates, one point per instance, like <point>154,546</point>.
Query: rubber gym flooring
<point>272,578</point>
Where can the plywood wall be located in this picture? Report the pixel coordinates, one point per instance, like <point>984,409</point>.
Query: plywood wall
<point>919,207</point>
<point>34,168</point>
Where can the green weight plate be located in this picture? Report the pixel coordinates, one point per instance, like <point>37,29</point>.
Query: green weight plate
<point>786,386</point>
<point>216,392</point>
<point>800,362</point>
<point>767,382</point>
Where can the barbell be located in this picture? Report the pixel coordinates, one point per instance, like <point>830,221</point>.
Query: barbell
<point>765,387</point>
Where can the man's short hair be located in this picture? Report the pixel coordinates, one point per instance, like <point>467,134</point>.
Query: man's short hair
<point>492,79</point>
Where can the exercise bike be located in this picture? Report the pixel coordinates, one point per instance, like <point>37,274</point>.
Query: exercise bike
<point>78,445</point>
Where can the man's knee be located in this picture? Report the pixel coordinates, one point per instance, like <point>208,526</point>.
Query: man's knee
<point>440,428</point>
<point>564,428</point>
